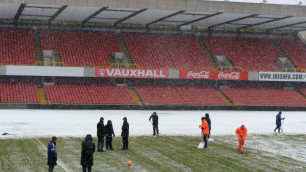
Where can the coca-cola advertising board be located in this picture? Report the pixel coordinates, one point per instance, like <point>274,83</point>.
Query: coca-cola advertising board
<point>214,75</point>
<point>131,73</point>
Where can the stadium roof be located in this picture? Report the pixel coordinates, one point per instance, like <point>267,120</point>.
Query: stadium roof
<point>207,14</point>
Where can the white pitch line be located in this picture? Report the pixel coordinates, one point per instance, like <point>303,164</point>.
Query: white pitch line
<point>59,162</point>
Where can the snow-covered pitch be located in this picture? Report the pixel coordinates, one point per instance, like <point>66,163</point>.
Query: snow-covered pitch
<point>78,123</point>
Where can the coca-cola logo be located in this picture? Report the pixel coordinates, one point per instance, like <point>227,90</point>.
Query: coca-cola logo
<point>232,75</point>
<point>101,72</point>
<point>198,75</point>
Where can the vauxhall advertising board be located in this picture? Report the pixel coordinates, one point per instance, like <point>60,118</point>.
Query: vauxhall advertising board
<point>132,73</point>
<point>214,75</point>
<point>282,76</point>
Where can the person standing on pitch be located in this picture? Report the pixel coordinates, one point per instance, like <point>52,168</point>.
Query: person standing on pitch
<point>209,123</point>
<point>125,134</point>
<point>109,135</point>
<point>52,155</point>
<point>279,122</point>
<point>205,130</point>
<point>242,133</point>
<point>154,118</point>
<point>88,148</point>
<point>101,134</point>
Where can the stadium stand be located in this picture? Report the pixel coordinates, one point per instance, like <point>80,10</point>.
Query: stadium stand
<point>166,51</point>
<point>264,96</point>
<point>200,95</point>
<point>295,50</point>
<point>110,94</point>
<point>81,48</point>
<point>18,92</point>
<point>17,47</point>
<point>303,90</point>
<point>252,54</point>
<point>78,93</point>
<point>171,94</point>
<point>67,93</point>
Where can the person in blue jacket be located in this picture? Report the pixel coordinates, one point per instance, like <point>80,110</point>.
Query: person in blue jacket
<point>52,155</point>
<point>279,122</point>
<point>209,123</point>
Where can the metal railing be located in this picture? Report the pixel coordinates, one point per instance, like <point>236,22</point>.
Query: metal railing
<point>42,63</point>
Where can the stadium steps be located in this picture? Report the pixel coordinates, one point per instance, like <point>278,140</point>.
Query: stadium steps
<point>135,96</point>
<point>284,54</point>
<point>42,96</point>
<point>300,93</point>
<point>58,59</point>
<point>207,52</point>
<point>37,47</point>
<point>225,98</point>
<point>125,50</point>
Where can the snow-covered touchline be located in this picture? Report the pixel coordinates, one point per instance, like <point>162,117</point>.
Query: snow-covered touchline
<point>78,123</point>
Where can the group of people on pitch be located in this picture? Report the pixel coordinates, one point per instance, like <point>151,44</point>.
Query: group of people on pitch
<point>240,131</point>
<point>88,146</point>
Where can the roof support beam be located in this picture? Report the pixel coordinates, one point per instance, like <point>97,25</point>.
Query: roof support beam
<point>199,19</point>
<point>288,25</point>
<point>19,12</point>
<point>59,11</point>
<point>229,22</point>
<point>166,17</point>
<point>93,15</point>
<point>264,22</point>
<point>129,16</point>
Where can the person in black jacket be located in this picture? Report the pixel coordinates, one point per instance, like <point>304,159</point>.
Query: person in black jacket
<point>209,123</point>
<point>109,135</point>
<point>154,118</point>
<point>88,148</point>
<point>101,134</point>
<point>125,134</point>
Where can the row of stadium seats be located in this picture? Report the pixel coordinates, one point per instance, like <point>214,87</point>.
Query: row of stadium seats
<point>88,93</point>
<point>172,94</point>
<point>264,96</point>
<point>248,53</point>
<point>81,48</point>
<point>17,47</point>
<point>18,92</point>
<point>295,50</point>
<point>172,51</point>
<point>147,50</point>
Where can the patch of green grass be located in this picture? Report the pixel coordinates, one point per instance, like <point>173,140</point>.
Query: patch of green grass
<point>163,153</point>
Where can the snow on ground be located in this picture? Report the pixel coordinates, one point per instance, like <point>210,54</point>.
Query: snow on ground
<point>81,122</point>
<point>78,123</point>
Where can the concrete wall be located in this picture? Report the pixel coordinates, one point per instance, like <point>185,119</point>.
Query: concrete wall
<point>302,36</point>
<point>187,5</point>
<point>2,70</point>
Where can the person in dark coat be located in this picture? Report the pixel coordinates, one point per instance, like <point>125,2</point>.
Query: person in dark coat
<point>88,148</point>
<point>52,155</point>
<point>109,135</point>
<point>154,118</point>
<point>101,134</point>
<point>209,123</point>
<point>279,122</point>
<point>125,134</point>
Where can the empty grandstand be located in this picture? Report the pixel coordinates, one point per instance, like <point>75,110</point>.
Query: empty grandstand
<point>206,55</point>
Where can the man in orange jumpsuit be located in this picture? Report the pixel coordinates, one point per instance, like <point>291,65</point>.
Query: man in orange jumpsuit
<point>205,130</point>
<point>242,133</point>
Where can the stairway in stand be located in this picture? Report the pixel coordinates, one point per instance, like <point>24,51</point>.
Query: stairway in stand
<point>125,50</point>
<point>135,96</point>
<point>207,52</point>
<point>38,49</point>
<point>42,96</point>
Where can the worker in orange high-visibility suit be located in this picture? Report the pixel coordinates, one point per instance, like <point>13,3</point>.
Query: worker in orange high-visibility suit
<point>242,133</point>
<point>205,130</point>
